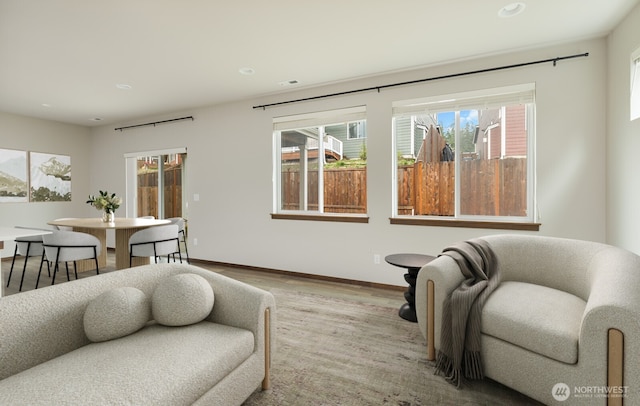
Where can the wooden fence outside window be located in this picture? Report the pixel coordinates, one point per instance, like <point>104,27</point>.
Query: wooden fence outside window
<point>148,193</point>
<point>495,187</point>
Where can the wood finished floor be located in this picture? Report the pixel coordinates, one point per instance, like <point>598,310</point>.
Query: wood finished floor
<point>392,297</point>
<point>387,297</point>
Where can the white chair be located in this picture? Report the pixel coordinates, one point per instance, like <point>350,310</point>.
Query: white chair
<point>180,222</point>
<point>67,246</point>
<point>26,247</point>
<point>155,242</point>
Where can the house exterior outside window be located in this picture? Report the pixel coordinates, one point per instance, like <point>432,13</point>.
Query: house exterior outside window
<point>466,157</point>
<point>357,129</point>
<point>319,168</point>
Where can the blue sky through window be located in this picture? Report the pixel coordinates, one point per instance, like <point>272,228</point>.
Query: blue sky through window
<point>447,119</point>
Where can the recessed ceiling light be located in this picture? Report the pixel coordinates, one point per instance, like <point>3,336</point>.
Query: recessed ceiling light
<point>511,10</point>
<point>288,82</point>
<point>123,86</point>
<point>247,71</point>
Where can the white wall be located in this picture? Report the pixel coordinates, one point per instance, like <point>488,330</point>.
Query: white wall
<point>230,167</point>
<point>30,134</point>
<point>623,139</point>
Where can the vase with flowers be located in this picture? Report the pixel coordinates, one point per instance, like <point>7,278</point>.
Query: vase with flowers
<point>107,203</point>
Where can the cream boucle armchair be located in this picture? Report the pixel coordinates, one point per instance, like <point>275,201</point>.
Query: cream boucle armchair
<point>563,326</point>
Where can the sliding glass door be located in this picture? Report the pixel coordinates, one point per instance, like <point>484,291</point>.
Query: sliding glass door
<point>155,181</point>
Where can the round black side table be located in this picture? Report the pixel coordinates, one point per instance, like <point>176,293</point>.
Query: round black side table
<point>413,263</point>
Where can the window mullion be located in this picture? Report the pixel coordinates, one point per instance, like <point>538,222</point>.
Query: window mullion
<point>394,168</point>
<point>160,195</point>
<point>321,169</point>
<point>412,136</point>
<point>503,132</point>
<point>304,176</point>
<point>457,159</point>
<point>531,159</point>
<point>277,171</point>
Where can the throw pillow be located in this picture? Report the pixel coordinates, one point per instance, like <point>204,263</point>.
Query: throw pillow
<point>181,300</point>
<point>116,313</point>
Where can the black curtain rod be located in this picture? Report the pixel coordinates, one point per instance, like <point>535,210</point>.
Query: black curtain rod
<point>411,82</point>
<point>154,123</point>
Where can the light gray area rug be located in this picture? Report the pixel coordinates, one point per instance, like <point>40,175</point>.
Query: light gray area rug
<point>338,352</point>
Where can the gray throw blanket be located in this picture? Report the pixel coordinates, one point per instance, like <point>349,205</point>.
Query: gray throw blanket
<point>459,353</point>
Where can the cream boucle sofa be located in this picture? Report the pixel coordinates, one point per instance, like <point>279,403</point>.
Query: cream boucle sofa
<point>563,326</point>
<point>46,357</point>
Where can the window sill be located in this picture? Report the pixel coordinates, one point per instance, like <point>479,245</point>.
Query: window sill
<point>499,225</point>
<point>322,217</point>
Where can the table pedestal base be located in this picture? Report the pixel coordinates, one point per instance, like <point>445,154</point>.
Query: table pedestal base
<point>85,265</point>
<point>412,263</point>
<point>408,312</point>
<point>122,249</point>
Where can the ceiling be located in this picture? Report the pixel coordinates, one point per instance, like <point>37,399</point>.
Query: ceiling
<point>63,59</point>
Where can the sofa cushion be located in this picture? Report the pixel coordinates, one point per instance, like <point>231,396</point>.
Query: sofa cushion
<point>543,320</point>
<point>183,299</point>
<point>116,313</point>
<point>158,365</point>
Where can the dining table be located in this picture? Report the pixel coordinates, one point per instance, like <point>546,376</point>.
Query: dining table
<point>124,228</point>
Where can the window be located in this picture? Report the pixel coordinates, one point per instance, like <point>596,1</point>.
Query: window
<point>318,167</point>
<point>357,129</point>
<point>635,85</point>
<point>155,184</point>
<point>466,156</point>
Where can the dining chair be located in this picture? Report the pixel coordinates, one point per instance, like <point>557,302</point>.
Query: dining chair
<point>155,242</point>
<point>69,246</point>
<point>27,247</point>
<point>180,222</point>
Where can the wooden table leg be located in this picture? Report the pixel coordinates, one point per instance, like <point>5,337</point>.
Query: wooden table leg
<point>89,264</point>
